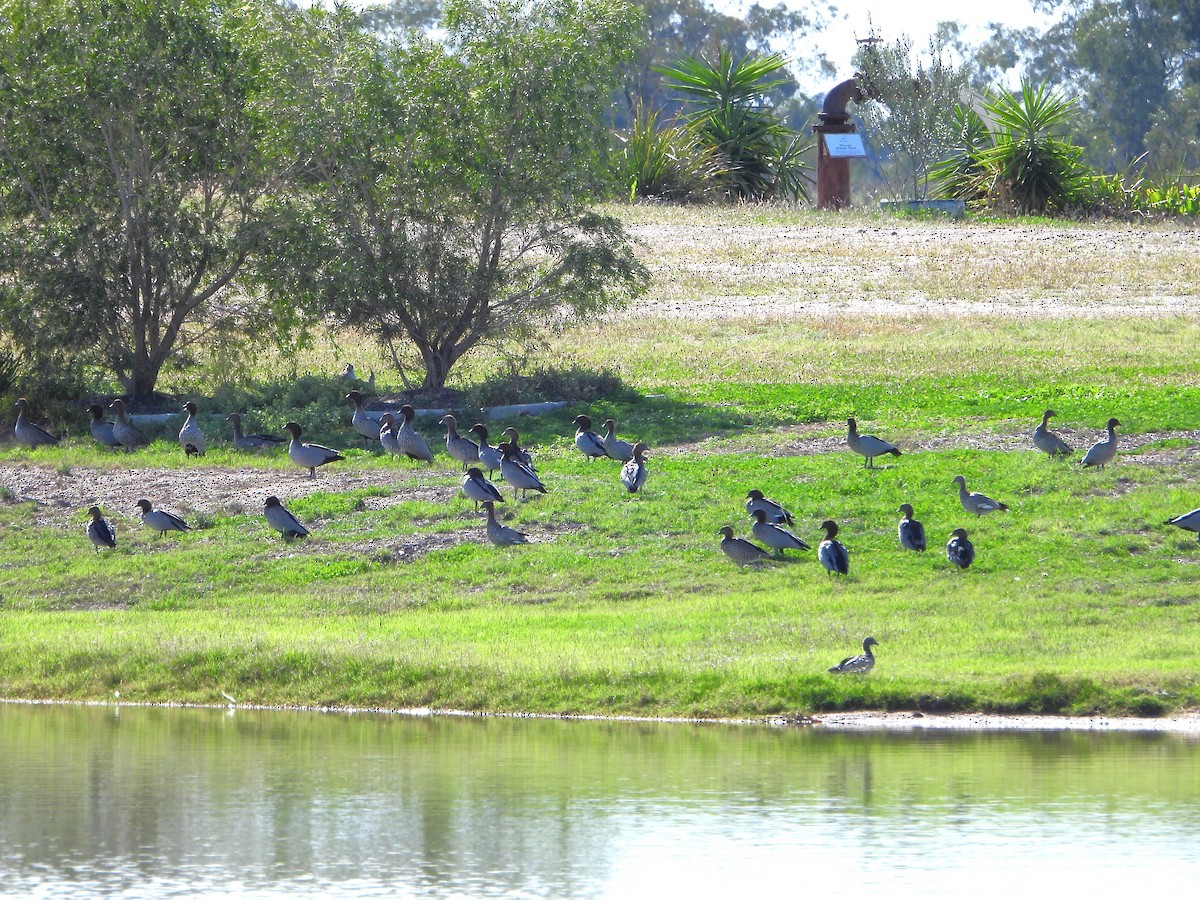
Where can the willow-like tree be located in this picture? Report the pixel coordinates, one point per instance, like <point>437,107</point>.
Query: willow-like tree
<point>129,177</point>
<point>446,196</point>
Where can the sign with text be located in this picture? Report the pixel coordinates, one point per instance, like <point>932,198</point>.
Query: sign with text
<point>844,145</point>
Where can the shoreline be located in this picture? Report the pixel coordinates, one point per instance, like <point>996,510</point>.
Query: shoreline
<point>1185,723</point>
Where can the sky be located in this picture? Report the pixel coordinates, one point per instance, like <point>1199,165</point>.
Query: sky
<point>894,18</point>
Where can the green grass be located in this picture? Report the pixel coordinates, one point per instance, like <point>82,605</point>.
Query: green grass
<point>1080,599</point>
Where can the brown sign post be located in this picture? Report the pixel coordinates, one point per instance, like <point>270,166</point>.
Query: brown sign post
<point>833,163</point>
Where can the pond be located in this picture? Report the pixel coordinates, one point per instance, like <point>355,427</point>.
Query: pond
<point>151,802</point>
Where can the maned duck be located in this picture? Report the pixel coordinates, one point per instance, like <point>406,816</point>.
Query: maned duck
<point>191,438</point>
<point>516,473</point>
<point>99,532</point>
<point>412,444</point>
<point>1103,451</point>
<point>251,441</point>
<point>959,550</point>
<point>282,520</point>
<point>389,434</point>
<point>102,430</point>
<point>1047,441</point>
<point>521,456</point>
<point>489,456</point>
<point>501,535</point>
<point>308,456</point>
<point>160,520</point>
<point>614,446</point>
<point>775,512</point>
<point>912,532</point>
<point>865,662</point>
<point>633,473</point>
<point>1188,522</point>
<point>775,536</point>
<point>32,436</point>
<point>125,431</point>
<point>586,440</point>
<point>740,551</point>
<point>362,421</point>
<point>974,502</point>
<point>867,444</point>
<point>479,489</point>
<point>833,556</point>
<point>465,451</point>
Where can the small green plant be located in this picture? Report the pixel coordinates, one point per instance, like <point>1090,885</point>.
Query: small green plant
<point>665,162</point>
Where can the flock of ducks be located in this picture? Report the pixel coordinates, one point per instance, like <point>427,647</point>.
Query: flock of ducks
<point>481,461</point>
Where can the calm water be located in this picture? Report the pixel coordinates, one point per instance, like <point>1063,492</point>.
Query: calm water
<point>155,803</point>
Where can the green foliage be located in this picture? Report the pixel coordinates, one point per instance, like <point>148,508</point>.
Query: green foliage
<point>1026,166</point>
<point>547,383</point>
<point>912,117</point>
<point>449,185</point>
<point>761,158</point>
<point>130,178</point>
<point>665,163</point>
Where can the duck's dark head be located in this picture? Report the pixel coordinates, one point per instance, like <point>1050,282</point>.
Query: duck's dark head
<point>355,397</point>
<point>144,506</point>
<point>480,430</point>
<point>726,532</point>
<point>754,494</point>
<point>907,509</point>
<point>760,516</point>
<point>407,412</point>
<point>189,408</point>
<point>583,423</point>
<point>271,501</point>
<point>293,428</point>
<point>97,412</point>
<point>1113,423</point>
<point>960,533</point>
<point>831,529</point>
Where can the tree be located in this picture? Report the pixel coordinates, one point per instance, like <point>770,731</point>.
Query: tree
<point>445,199</point>
<point>911,105</point>
<point>1133,64</point>
<point>130,176</point>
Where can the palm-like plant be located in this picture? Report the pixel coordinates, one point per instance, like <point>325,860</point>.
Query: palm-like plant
<point>731,115</point>
<point>1033,168</point>
<point>960,176</point>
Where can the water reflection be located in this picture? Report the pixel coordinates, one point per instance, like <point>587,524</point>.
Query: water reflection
<point>160,802</point>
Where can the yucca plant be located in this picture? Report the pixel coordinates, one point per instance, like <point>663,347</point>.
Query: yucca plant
<point>669,162</point>
<point>1031,168</point>
<point>731,116</point>
<point>960,176</point>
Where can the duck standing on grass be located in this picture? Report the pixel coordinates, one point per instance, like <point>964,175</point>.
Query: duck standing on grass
<point>911,532</point>
<point>465,451</point>
<point>856,665</point>
<point>388,434</point>
<point>775,512</point>
<point>1188,522</point>
<point>498,534</point>
<point>1047,441</point>
<point>614,446</point>
<point>362,421</point>
<point>99,532</point>
<point>282,520</point>
<point>191,438</point>
<point>160,520</point>
<point>833,556</point>
<point>586,440</point>
<point>126,433</point>
<point>633,473</point>
<point>29,434</point>
<point>1103,451</point>
<point>516,473</point>
<point>489,456</point>
<point>974,502</point>
<point>521,456</point>
<point>740,551</point>
<point>775,536</point>
<point>251,441</point>
<point>309,456</point>
<point>102,431</point>
<point>867,445</point>
<point>479,489</point>
<point>412,444</point>
<point>959,549</point>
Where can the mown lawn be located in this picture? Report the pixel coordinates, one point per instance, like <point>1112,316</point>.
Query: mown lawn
<point>1080,598</point>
